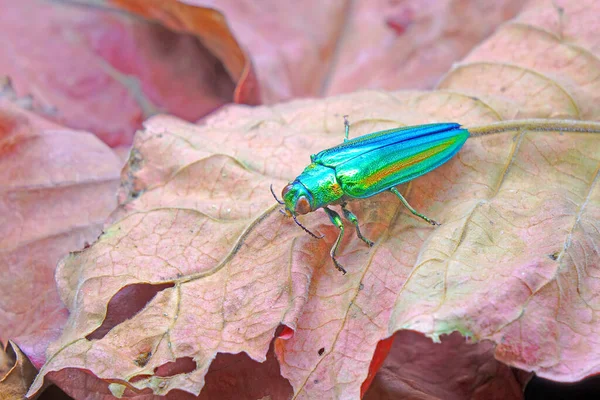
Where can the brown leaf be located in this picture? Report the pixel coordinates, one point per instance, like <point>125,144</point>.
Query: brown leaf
<point>16,372</point>
<point>56,188</point>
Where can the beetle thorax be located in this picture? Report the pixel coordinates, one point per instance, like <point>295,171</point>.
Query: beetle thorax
<point>316,187</point>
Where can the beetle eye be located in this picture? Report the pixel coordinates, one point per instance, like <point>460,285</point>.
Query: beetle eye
<point>286,189</point>
<point>302,206</point>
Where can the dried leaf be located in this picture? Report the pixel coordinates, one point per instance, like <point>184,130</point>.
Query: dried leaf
<point>211,28</point>
<point>452,369</point>
<point>412,44</point>
<point>198,262</point>
<point>56,189</point>
<point>197,227</point>
<point>535,66</point>
<point>89,67</point>
<point>324,48</point>
<point>16,372</point>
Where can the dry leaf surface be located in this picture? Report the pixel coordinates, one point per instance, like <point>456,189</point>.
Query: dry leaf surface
<point>545,63</point>
<point>514,261</point>
<point>56,188</point>
<point>412,44</point>
<point>198,262</point>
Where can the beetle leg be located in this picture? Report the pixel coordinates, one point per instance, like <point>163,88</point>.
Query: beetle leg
<point>337,221</point>
<point>352,218</point>
<point>412,210</point>
<point>346,128</point>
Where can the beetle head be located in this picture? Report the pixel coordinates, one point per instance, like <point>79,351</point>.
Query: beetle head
<point>297,199</point>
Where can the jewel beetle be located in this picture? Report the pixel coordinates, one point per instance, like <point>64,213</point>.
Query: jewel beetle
<point>365,166</point>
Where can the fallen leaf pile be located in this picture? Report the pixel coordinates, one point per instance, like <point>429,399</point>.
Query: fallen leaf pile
<point>196,285</point>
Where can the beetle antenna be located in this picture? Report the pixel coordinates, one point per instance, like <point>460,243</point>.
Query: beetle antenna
<point>273,193</point>
<point>293,216</point>
<point>306,230</point>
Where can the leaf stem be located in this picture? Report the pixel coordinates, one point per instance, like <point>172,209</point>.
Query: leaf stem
<point>561,125</point>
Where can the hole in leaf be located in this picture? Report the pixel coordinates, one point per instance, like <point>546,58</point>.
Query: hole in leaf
<point>285,333</point>
<point>321,351</point>
<point>125,304</point>
<point>139,378</point>
<point>231,375</point>
<point>182,365</point>
<point>53,392</point>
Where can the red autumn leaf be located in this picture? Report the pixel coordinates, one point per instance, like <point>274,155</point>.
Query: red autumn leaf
<point>92,68</point>
<point>452,369</point>
<point>57,187</point>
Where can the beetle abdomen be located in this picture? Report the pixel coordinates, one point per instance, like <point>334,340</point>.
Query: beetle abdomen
<point>386,166</point>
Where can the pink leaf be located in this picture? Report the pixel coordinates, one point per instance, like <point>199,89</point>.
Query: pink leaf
<point>57,189</point>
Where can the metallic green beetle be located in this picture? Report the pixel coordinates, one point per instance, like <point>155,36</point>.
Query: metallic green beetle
<point>368,165</point>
